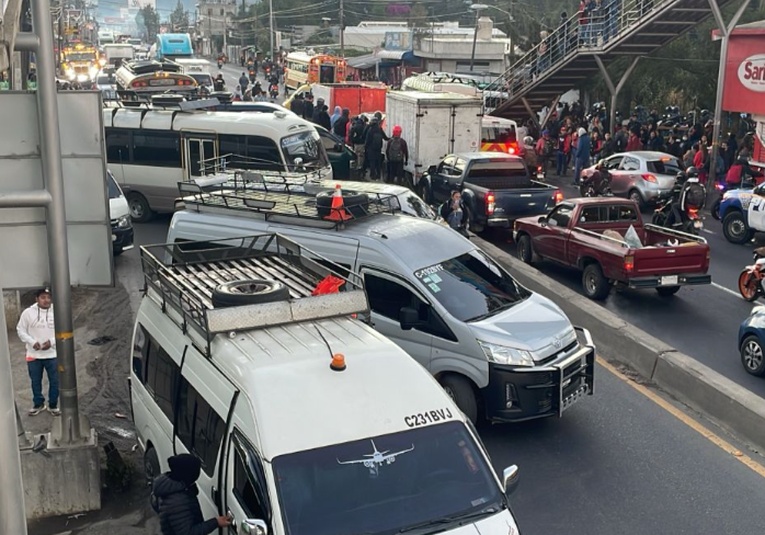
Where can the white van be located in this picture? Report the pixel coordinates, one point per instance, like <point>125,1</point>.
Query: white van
<point>501,351</point>
<point>307,422</point>
<point>119,214</point>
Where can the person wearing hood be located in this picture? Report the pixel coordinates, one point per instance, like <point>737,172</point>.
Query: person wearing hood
<point>582,154</point>
<point>335,116</point>
<point>176,494</point>
<point>373,144</point>
<point>36,329</point>
<point>340,127</point>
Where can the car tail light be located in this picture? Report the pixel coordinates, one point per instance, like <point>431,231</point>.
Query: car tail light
<point>557,196</point>
<point>648,177</point>
<point>490,198</point>
<point>693,212</point>
<point>629,263</point>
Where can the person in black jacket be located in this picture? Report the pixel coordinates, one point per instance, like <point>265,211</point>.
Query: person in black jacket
<point>176,491</point>
<point>321,116</point>
<point>373,143</point>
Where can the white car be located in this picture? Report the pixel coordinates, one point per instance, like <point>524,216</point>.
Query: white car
<point>119,214</point>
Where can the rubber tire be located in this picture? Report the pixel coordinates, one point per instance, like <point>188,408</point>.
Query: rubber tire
<point>745,274</point>
<point>145,213</point>
<point>248,292</point>
<point>729,220</point>
<point>715,210</point>
<point>667,291</point>
<point>356,204</point>
<point>459,389</point>
<point>426,193</point>
<point>525,249</point>
<point>658,219</point>
<point>758,371</point>
<point>634,195</point>
<point>117,252</point>
<point>151,466</point>
<point>602,286</point>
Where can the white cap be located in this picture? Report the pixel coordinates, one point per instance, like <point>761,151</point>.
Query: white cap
<point>581,131</point>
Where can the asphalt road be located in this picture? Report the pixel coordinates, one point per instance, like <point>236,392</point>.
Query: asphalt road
<point>616,463</point>
<point>701,321</point>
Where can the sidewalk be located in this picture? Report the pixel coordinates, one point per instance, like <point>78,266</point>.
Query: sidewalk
<point>103,326</point>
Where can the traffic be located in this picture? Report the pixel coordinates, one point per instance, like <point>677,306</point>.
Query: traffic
<point>325,344</point>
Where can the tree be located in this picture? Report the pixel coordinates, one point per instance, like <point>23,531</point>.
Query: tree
<point>147,20</point>
<point>179,18</point>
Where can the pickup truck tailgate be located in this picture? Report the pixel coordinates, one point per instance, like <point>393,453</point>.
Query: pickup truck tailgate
<point>524,202</point>
<point>670,260</point>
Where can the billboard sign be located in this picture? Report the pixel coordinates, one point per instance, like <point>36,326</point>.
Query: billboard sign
<point>23,237</point>
<point>744,90</point>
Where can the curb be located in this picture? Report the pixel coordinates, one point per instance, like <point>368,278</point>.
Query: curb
<point>701,388</point>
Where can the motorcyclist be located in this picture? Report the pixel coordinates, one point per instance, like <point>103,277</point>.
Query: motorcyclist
<point>256,88</point>
<point>740,173</point>
<point>219,84</point>
<point>599,180</point>
<point>687,192</point>
<point>530,155</point>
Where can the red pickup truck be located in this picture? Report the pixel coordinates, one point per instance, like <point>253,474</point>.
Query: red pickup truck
<point>589,234</point>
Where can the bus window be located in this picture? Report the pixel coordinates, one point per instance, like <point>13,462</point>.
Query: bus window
<point>157,149</point>
<point>117,145</point>
<point>327,74</point>
<point>251,152</point>
<point>307,147</point>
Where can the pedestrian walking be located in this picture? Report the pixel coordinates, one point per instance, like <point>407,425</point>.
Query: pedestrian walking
<point>244,82</point>
<point>397,156</point>
<point>36,329</point>
<point>357,142</point>
<point>582,154</point>
<point>176,499</point>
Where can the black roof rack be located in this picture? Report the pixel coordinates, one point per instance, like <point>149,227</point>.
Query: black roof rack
<point>146,66</point>
<point>282,199</point>
<point>181,278</point>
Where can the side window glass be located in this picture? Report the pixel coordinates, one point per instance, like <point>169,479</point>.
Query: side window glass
<point>247,490</point>
<point>162,376</point>
<point>198,426</point>
<point>140,352</point>
<point>445,168</point>
<point>614,163</point>
<point>630,164</point>
<point>117,145</point>
<point>560,216</point>
<point>459,167</point>
<point>591,214</point>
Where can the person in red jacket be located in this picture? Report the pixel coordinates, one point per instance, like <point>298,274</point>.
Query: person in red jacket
<point>634,143</point>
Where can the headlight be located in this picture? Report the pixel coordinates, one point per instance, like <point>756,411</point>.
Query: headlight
<point>82,78</point>
<point>506,355</point>
<point>93,72</point>
<point>123,222</point>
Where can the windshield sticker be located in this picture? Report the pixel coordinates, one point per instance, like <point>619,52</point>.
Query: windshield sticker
<point>377,458</point>
<point>429,417</point>
<point>435,278</point>
<point>434,287</point>
<point>428,271</point>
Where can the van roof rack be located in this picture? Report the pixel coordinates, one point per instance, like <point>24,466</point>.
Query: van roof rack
<point>182,277</point>
<point>279,199</point>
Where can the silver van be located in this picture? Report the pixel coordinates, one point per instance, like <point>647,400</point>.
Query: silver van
<point>501,351</point>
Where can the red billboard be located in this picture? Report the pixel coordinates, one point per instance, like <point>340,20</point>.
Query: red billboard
<point>744,90</point>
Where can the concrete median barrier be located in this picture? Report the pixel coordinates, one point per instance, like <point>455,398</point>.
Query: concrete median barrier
<point>681,376</point>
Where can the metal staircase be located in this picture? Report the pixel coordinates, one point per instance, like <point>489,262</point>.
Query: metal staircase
<point>567,56</point>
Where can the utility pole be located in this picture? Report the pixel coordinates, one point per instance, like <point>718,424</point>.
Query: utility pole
<point>342,29</point>
<point>271,25</point>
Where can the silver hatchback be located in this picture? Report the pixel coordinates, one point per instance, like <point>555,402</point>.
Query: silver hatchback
<point>643,176</point>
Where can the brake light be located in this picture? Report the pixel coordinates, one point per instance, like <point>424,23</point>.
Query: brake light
<point>629,263</point>
<point>557,196</point>
<point>490,198</point>
<point>511,150</point>
<point>648,177</point>
<point>693,212</point>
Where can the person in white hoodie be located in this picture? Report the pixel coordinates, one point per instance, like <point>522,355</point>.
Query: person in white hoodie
<point>36,330</point>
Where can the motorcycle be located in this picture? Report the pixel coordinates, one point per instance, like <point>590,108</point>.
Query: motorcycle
<point>750,281</point>
<point>691,220</point>
<point>593,186</point>
<point>220,64</point>
<point>273,90</point>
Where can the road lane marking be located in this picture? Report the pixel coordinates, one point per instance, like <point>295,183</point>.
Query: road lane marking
<point>687,420</point>
<point>707,231</point>
<point>727,290</point>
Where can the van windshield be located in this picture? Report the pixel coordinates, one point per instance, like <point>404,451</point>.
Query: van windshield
<point>472,286</point>
<point>307,147</point>
<point>388,484</point>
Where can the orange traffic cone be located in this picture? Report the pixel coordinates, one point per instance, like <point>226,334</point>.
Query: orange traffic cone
<point>337,210</point>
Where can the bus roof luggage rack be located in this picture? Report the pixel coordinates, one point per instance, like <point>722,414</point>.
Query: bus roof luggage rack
<point>185,280</point>
<point>282,201</point>
<point>146,66</point>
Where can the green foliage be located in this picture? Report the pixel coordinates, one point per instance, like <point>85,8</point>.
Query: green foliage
<point>147,21</point>
<point>179,18</point>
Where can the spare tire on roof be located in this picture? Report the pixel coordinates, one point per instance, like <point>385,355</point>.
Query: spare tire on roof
<point>356,204</point>
<point>248,292</point>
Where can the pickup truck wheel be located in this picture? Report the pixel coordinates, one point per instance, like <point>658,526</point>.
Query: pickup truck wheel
<point>635,196</point>
<point>667,291</point>
<point>462,394</point>
<point>595,284</point>
<point>735,228</point>
<point>752,356</point>
<point>525,249</point>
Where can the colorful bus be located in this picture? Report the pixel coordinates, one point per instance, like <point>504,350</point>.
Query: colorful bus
<point>303,68</point>
<point>151,76</point>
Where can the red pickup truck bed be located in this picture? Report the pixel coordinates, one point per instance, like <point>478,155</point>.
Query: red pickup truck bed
<point>589,234</point>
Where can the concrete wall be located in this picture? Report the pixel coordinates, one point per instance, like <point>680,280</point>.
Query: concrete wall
<point>12,308</point>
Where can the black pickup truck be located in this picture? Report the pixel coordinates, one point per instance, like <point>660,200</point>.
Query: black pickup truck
<point>496,188</point>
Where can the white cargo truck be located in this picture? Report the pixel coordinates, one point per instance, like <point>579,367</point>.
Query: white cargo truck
<point>434,125</point>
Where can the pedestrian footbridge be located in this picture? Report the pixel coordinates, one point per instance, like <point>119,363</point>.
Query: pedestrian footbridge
<point>575,52</point>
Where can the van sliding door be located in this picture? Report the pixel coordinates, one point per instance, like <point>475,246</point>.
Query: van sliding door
<point>200,155</point>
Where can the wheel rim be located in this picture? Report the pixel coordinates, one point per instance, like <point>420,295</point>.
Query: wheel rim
<point>590,283</point>
<point>149,471</point>
<point>635,196</point>
<point>525,250</point>
<point>450,393</point>
<point>747,285</point>
<point>136,209</point>
<point>736,228</point>
<point>249,289</point>
<point>752,355</point>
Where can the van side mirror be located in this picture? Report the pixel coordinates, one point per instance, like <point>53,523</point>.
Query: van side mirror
<point>510,479</point>
<point>254,526</point>
<point>432,170</point>
<point>408,318</point>
<point>542,220</point>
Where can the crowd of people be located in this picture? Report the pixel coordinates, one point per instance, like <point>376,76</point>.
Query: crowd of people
<point>572,141</point>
